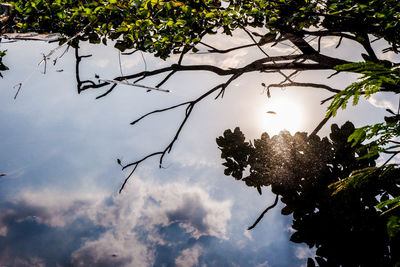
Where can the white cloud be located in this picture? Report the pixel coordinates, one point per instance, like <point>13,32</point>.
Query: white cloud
<point>147,205</point>
<point>264,264</point>
<point>304,252</point>
<point>114,248</point>
<point>189,257</point>
<point>247,234</point>
<point>384,101</point>
<point>49,207</point>
<point>6,260</point>
<point>143,205</point>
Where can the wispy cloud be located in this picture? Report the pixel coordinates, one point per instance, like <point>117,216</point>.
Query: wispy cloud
<point>189,257</point>
<point>384,101</point>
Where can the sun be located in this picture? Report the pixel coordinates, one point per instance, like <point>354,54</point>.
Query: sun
<point>281,114</point>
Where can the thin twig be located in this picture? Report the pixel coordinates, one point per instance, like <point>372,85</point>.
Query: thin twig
<point>19,88</point>
<point>134,84</point>
<point>66,42</point>
<point>327,99</point>
<point>321,124</point>
<point>166,78</point>
<point>314,85</point>
<point>160,110</point>
<point>168,148</point>
<point>263,213</point>
<point>391,157</point>
<point>223,51</point>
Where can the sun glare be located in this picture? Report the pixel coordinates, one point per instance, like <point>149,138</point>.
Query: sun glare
<point>281,114</point>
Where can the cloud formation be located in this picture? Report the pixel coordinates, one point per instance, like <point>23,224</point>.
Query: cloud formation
<point>131,222</point>
<point>189,257</point>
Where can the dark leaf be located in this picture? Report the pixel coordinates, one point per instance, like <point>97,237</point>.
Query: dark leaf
<point>310,262</point>
<point>259,189</point>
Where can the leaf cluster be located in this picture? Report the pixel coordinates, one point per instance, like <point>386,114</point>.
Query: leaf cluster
<point>2,66</point>
<point>375,77</point>
<point>167,26</point>
<point>346,228</point>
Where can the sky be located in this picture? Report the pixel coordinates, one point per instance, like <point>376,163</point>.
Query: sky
<point>59,200</point>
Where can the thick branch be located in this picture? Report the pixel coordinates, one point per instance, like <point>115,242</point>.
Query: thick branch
<point>264,64</point>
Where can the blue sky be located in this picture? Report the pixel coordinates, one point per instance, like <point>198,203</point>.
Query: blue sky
<point>59,199</point>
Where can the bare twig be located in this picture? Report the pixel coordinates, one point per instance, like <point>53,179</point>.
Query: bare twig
<point>297,84</point>
<point>168,148</point>
<point>19,88</point>
<point>166,78</point>
<point>263,213</point>
<point>159,111</point>
<point>321,124</point>
<point>223,51</point>
<point>66,42</point>
<point>340,42</point>
<point>391,157</point>
<point>133,84</point>
<point>80,84</point>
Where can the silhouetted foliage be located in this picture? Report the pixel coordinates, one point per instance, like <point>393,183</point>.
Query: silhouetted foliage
<point>346,228</point>
<point>168,27</point>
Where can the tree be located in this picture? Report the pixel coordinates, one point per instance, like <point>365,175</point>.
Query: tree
<point>345,228</point>
<point>165,28</point>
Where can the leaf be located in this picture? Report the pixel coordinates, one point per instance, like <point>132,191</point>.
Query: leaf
<point>393,226</point>
<point>259,189</point>
<point>387,202</point>
<point>267,38</point>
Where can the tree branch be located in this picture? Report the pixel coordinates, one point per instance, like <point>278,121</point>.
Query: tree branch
<point>223,51</point>
<point>160,110</point>
<point>168,148</point>
<point>297,84</point>
<point>321,124</point>
<point>263,213</point>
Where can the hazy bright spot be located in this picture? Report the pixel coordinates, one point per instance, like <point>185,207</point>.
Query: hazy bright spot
<point>281,114</point>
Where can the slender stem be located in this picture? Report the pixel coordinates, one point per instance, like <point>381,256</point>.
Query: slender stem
<point>263,213</point>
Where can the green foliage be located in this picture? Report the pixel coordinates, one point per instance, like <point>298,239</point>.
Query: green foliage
<point>393,227</point>
<point>391,204</point>
<point>375,76</point>
<point>359,177</point>
<point>163,27</point>
<point>382,134</point>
